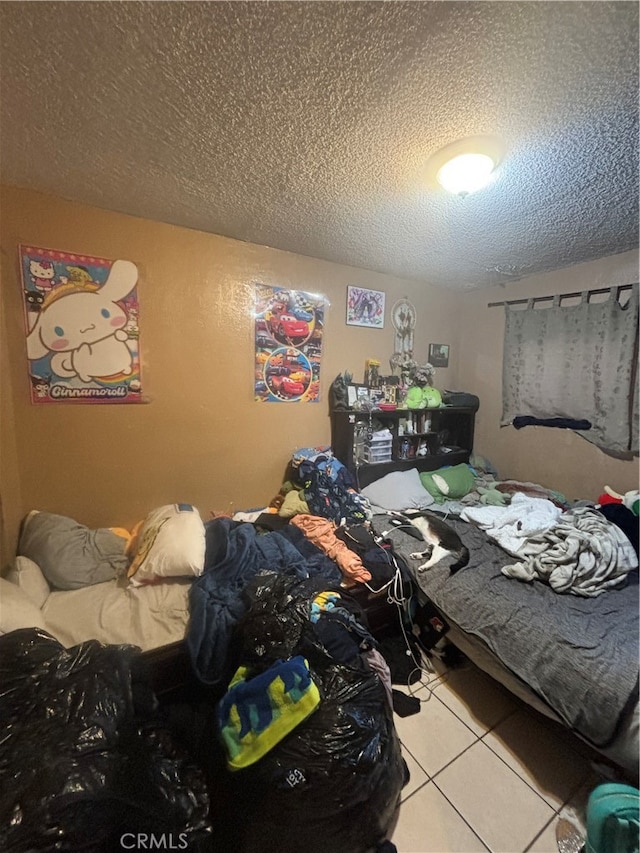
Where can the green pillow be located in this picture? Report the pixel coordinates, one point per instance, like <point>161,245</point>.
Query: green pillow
<point>450,483</point>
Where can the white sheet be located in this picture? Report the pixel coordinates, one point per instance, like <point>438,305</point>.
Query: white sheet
<point>511,526</point>
<point>112,612</point>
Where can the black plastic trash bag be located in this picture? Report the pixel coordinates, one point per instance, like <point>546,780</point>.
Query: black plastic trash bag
<point>334,783</point>
<point>84,766</point>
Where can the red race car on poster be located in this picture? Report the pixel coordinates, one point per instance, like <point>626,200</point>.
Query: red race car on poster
<point>286,387</point>
<point>287,326</point>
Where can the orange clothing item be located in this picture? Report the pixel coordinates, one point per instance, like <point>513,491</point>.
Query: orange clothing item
<point>320,531</point>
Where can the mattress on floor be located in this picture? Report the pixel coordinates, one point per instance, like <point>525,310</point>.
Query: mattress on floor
<point>578,655</point>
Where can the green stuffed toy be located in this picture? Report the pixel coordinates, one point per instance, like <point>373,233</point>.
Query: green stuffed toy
<point>492,497</point>
<point>423,398</point>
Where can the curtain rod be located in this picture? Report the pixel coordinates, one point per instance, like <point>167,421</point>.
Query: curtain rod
<point>535,299</point>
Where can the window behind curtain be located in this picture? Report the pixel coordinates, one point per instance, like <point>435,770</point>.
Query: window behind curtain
<point>576,362</point>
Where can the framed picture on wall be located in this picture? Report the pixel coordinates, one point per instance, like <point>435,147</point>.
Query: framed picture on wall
<point>81,321</point>
<point>439,355</point>
<point>365,307</point>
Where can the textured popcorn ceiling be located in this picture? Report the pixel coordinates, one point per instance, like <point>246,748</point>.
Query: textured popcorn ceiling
<point>306,126</point>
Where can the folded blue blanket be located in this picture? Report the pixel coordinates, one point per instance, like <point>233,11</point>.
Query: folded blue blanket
<point>259,711</point>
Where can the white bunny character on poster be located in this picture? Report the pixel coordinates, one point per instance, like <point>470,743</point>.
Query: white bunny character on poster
<point>84,330</point>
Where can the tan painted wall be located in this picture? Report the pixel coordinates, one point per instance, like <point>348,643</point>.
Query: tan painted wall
<point>202,438</point>
<point>10,491</point>
<point>559,459</point>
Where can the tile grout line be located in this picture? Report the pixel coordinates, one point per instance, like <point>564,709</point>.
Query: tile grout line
<point>431,777</point>
<point>536,837</point>
<point>488,731</point>
<point>556,816</point>
<point>460,815</point>
<point>497,723</point>
<point>478,738</point>
<point>520,776</point>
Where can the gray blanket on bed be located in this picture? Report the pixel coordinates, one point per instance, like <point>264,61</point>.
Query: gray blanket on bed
<point>583,554</point>
<point>578,654</point>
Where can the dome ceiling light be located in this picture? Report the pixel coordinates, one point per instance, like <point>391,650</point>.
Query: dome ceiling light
<point>467,165</point>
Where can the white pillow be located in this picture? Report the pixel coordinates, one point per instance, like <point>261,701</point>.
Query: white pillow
<point>170,543</point>
<point>17,610</point>
<point>28,576</point>
<point>398,490</point>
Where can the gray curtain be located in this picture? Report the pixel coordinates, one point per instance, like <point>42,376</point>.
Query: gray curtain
<point>577,362</point>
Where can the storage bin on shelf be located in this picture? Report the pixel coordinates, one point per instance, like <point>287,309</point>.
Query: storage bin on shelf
<point>378,448</point>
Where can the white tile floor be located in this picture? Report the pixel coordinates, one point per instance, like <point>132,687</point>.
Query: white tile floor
<point>486,773</point>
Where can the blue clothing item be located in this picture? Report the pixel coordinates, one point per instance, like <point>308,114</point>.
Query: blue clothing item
<point>310,454</point>
<point>329,499</point>
<point>235,552</point>
<point>342,635</point>
<point>329,465</point>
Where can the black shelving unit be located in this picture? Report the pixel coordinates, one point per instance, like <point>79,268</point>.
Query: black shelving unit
<point>425,439</point>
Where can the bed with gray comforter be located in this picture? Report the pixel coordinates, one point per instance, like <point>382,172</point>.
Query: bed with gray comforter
<point>579,655</point>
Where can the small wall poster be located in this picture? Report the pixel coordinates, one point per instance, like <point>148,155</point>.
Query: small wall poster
<point>439,355</point>
<point>81,324</point>
<point>365,307</point>
<point>289,325</point>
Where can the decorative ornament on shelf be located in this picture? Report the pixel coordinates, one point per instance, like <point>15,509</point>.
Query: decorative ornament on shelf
<point>372,373</point>
<point>406,364</point>
<point>418,382</point>
<point>424,375</point>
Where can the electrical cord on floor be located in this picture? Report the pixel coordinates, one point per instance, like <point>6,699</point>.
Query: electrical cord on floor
<point>424,667</point>
<point>396,595</point>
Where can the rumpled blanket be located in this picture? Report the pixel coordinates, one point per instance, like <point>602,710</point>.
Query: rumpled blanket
<point>583,554</point>
<point>580,655</point>
<point>329,489</point>
<point>512,526</point>
<point>235,553</point>
<point>330,499</point>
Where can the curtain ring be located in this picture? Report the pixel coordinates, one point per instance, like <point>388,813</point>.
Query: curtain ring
<point>585,297</point>
<point>556,300</point>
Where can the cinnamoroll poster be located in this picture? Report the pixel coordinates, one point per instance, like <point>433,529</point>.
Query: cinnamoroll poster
<point>81,324</point>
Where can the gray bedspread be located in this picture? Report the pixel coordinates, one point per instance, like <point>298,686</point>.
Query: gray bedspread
<point>580,655</point>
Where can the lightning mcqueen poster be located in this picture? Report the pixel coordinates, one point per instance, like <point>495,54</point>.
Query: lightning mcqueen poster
<point>289,325</point>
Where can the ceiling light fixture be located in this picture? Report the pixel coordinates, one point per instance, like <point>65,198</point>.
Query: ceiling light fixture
<point>466,173</point>
<point>466,165</point>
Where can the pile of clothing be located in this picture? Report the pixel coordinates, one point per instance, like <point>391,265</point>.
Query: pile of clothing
<point>579,551</point>
<point>319,484</point>
<point>314,762</point>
